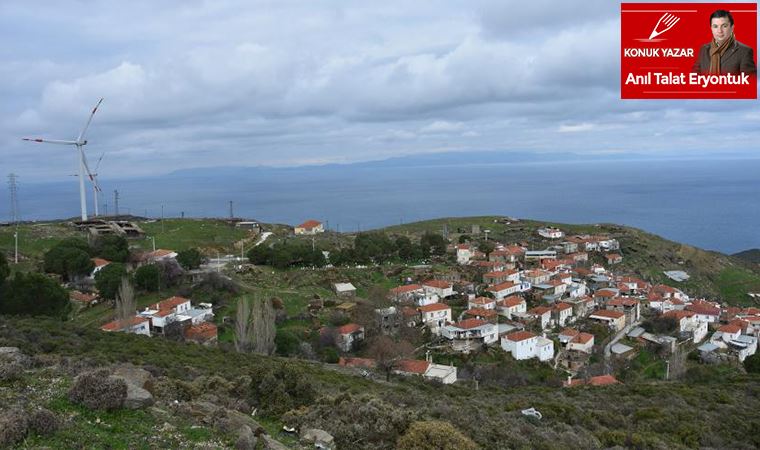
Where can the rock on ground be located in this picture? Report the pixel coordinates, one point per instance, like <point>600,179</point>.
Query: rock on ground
<point>318,437</point>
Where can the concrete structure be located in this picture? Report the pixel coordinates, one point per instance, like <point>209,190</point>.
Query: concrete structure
<point>526,345</point>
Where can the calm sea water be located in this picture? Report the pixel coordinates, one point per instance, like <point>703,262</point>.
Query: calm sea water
<point>712,204</point>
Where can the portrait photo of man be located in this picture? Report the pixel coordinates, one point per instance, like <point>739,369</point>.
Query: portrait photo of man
<point>724,54</point>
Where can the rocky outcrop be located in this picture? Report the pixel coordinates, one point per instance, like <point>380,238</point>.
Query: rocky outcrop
<point>137,381</point>
<point>319,438</point>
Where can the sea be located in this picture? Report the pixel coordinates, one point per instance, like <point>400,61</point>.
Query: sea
<point>711,203</point>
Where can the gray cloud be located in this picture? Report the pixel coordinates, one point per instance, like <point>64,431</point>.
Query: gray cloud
<point>208,83</point>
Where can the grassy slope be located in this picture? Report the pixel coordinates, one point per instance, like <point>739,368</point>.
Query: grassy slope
<point>715,409</point>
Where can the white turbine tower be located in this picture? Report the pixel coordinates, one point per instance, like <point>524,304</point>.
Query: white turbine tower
<point>95,185</point>
<point>78,143</point>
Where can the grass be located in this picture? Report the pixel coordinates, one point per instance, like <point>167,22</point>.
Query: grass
<point>182,234</point>
<point>735,282</point>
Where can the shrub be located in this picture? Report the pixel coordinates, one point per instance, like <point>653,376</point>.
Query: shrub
<point>10,371</point>
<point>14,424</point>
<point>148,277</point>
<point>434,435</point>
<point>97,390</point>
<point>330,355</point>
<point>44,422</point>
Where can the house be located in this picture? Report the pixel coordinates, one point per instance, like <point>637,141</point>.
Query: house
<point>310,227</point>
<point>614,258</point>
<point>470,334</point>
<point>204,333</point>
<point>348,336</point>
<point>83,299</point>
<point>613,319</point>
<point>551,233</point>
<point>730,337</point>
<point>435,316</point>
<point>387,320</point>
<point>99,264</point>
<point>344,289</point>
<point>165,312</point>
<point>527,345</point>
<point>428,370</point>
<point>407,292</point>
<point>536,276</point>
<point>158,255</point>
<point>543,314</point>
<point>511,305</point>
<point>489,315</point>
<point>567,335</point>
<point>705,311</point>
<point>441,288</point>
<point>504,289</point>
<point>581,342</point>
<point>629,306</point>
<point>688,324</point>
<point>510,253</point>
<point>563,313</point>
<point>501,277</point>
<point>464,253</point>
<point>538,255</point>
<point>136,325</point>
<point>482,302</point>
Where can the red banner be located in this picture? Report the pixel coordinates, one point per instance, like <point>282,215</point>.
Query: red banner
<point>688,50</point>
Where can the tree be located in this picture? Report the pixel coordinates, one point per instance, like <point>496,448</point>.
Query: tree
<point>255,326</point>
<point>243,331</point>
<point>434,435</point>
<point>433,244</point>
<point>112,248</point>
<point>752,363</point>
<point>36,295</point>
<point>108,279</point>
<point>125,300</point>
<point>190,259</point>
<point>5,271</point>
<point>286,343</point>
<point>148,277</point>
<point>387,353</point>
<point>68,262</point>
<point>405,248</point>
<point>486,247</point>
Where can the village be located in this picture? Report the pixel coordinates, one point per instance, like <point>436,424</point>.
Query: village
<point>565,306</point>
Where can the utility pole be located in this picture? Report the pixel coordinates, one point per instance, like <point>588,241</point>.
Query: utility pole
<point>116,202</point>
<point>14,212</point>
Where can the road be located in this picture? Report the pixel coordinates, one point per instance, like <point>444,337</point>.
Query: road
<point>618,336</point>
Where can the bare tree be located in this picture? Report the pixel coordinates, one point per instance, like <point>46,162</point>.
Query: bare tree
<point>125,300</point>
<point>387,353</point>
<point>263,318</point>
<point>255,326</point>
<point>243,329</point>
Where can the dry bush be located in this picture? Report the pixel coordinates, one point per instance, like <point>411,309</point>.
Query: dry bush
<point>44,422</point>
<point>97,390</point>
<point>14,424</point>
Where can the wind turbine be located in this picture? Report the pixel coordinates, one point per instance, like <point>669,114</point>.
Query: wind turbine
<point>78,143</point>
<point>95,185</point>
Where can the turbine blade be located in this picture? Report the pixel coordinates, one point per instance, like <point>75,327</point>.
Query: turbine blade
<point>98,163</point>
<point>84,161</point>
<point>50,141</point>
<point>87,125</point>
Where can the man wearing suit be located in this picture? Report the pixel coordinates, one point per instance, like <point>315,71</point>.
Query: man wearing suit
<point>724,54</point>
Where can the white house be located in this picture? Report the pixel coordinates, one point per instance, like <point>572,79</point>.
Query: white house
<point>166,311</point>
<point>99,264</point>
<point>310,227</point>
<point>504,289</point>
<point>582,342</point>
<point>551,233</point>
<point>435,316</point>
<point>543,314</point>
<point>705,311</point>
<point>406,293</point>
<point>464,253</point>
<point>563,313</point>
<point>441,288</point>
<point>730,337</point>
<point>136,325</point>
<point>511,305</point>
<point>482,302</point>
<point>526,345</point>
<point>348,335</point>
<point>469,334</point>
<point>500,276</point>
<point>428,370</point>
<point>688,323</point>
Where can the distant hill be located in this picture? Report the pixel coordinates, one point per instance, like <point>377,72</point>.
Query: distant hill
<point>752,256</point>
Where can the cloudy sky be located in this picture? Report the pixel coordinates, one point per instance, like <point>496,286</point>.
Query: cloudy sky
<point>195,83</point>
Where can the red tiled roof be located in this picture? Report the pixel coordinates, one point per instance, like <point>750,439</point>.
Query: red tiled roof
<point>730,329</point>
<point>569,332</point>
<point>405,289</point>
<point>540,310</point>
<point>482,300</point>
<point>100,262</point>
<point>679,314</point>
<point>499,274</point>
<point>501,286</point>
<point>518,336</point>
<point>703,309</point>
<point>604,293</point>
<point>511,301</point>
<point>160,253</point>
<point>309,224</point>
<point>440,284</point>
<point>603,380</point>
<point>466,324</point>
<point>481,312</point>
<point>563,306</point>
<point>619,301</point>
<point>412,366</point>
<point>608,313</point>
<point>433,307</point>
<point>349,328</point>
<point>583,338</point>
<point>82,297</point>
<point>118,325</point>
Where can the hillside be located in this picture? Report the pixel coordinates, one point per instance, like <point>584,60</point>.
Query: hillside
<point>752,256</point>
<point>712,407</point>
